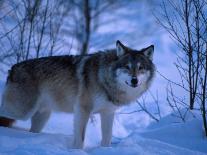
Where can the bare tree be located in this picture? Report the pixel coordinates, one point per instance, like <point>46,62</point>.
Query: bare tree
<point>86,14</point>
<point>143,106</point>
<point>185,20</point>
<point>57,17</point>
<point>35,32</point>
<point>37,26</point>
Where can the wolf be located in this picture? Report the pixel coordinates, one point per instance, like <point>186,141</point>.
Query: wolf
<point>94,83</point>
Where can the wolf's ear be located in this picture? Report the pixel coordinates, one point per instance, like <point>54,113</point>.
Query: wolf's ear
<point>149,51</point>
<point>120,48</point>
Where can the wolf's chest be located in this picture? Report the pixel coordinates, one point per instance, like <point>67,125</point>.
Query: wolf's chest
<point>100,103</point>
<point>130,94</point>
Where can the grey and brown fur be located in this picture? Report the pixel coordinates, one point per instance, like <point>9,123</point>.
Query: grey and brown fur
<point>94,83</point>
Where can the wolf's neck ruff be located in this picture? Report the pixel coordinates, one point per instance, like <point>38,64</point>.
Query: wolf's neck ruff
<point>111,88</point>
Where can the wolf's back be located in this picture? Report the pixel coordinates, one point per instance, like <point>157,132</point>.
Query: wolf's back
<point>24,81</point>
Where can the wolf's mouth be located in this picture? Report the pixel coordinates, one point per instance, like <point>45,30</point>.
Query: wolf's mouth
<point>131,85</point>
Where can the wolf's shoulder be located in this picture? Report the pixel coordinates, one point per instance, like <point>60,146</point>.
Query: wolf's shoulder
<point>105,56</point>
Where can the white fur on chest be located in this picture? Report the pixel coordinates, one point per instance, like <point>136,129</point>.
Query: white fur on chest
<point>101,103</point>
<point>134,93</point>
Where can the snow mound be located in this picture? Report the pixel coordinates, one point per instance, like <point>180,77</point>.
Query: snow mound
<point>189,135</point>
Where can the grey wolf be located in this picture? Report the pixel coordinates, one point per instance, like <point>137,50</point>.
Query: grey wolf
<point>93,83</point>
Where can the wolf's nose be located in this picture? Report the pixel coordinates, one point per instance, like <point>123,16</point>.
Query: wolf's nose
<point>134,81</point>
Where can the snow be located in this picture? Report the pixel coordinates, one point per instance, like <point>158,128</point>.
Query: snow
<point>171,130</point>
<point>24,143</point>
<point>164,138</point>
<point>189,135</point>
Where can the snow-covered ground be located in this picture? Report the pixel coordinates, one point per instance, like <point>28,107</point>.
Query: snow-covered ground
<point>163,138</point>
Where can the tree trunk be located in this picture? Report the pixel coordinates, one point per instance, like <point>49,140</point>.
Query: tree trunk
<point>87,27</point>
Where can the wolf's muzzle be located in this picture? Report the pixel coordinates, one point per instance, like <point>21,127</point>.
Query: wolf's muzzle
<point>134,81</point>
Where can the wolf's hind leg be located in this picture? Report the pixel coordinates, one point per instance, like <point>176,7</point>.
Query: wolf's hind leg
<point>80,121</point>
<point>39,119</point>
<point>107,118</point>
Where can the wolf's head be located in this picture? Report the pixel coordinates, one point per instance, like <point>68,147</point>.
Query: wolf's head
<point>134,68</point>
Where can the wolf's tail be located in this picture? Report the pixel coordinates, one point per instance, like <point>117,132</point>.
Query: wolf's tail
<point>6,122</point>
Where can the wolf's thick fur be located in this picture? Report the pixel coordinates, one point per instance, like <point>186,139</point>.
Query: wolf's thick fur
<point>99,82</point>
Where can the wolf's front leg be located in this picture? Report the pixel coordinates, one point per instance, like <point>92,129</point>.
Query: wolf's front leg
<point>107,119</point>
<point>81,116</point>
